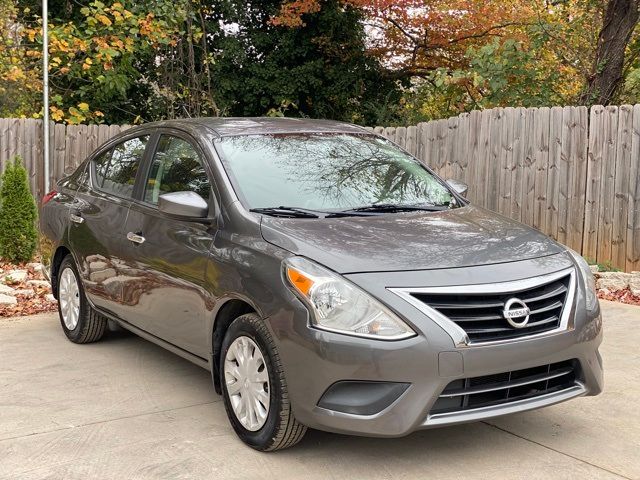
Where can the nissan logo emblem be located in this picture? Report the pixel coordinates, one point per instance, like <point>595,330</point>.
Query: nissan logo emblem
<point>516,313</point>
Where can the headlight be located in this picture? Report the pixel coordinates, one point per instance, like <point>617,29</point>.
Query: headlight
<point>339,306</point>
<point>589,280</point>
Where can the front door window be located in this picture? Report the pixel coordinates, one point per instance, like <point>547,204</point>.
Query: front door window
<point>176,167</point>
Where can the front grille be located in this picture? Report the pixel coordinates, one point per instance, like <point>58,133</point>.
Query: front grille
<point>480,315</point>
<point>507,387</point>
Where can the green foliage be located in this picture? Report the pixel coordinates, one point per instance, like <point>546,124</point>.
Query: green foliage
<point>511,75</point>
<point>18,214</point>
<point>112,62</point>
<point>631,89</point>
<point>500,73</point>
<point>374,63</point>
<point>320,69</point>
<point>603,267</point>
<point>134,61</point>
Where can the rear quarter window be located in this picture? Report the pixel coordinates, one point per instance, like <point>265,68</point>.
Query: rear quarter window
<point>79,178</point>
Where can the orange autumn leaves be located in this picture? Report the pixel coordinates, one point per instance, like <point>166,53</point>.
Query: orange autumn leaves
<point>458,55</point>
<point>89,52</point>
<point>416,36</point>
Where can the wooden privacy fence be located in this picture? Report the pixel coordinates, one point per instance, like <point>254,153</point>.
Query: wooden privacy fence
<point>570,172</point>
<point>69,145</point>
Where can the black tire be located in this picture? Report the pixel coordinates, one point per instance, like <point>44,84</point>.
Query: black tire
<point>91,325</point>
<point>281,429</point>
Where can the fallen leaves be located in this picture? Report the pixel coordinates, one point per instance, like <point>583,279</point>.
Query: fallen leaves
<point>28,303</point>
<point>622,296</point>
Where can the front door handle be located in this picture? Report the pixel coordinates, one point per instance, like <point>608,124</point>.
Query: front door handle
<point>76,218</point>
<point>135,238</point>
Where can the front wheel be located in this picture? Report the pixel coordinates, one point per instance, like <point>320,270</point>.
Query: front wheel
<point>81,324</point>
<point>254,388</point>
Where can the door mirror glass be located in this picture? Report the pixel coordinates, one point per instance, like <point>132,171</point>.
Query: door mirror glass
<point>184,204</point>
<point>460,188</point>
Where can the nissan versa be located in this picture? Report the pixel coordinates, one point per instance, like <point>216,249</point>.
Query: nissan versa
<point>324,276</point>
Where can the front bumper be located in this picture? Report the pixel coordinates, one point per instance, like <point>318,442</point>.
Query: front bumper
<point>314,360</point>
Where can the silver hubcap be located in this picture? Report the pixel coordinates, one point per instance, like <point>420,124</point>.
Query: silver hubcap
<point>69,298</point>
<point>247,381</point>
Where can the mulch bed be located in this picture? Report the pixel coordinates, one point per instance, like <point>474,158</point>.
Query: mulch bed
<point>622,296</point>
<point>28,304</point>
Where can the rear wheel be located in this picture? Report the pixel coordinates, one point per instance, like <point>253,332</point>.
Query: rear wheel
<point>254,388</point>
<point>81,324</point>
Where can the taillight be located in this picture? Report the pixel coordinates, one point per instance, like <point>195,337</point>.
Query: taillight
<point>48,197</point>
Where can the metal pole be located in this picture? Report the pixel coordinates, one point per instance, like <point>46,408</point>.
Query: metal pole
<point>45,88</point>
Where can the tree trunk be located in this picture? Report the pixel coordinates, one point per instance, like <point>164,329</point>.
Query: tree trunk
<point>620,19</point>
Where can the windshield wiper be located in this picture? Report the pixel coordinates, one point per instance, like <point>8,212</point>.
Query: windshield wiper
<point>392,207</point>
<point>286,212</point>
<point>299,212</point>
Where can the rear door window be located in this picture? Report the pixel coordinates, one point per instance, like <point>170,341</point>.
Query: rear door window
<point>115,170</point>
<point>176,167</point>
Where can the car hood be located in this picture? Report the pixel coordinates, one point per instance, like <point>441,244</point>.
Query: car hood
<point>461,237</point>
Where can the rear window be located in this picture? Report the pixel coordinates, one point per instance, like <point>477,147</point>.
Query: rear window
<point>115,170</point>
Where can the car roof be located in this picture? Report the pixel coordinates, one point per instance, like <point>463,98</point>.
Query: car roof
<point>231,126</point>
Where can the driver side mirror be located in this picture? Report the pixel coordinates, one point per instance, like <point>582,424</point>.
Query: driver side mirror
<point>460,188</point>
<point>184,204</point>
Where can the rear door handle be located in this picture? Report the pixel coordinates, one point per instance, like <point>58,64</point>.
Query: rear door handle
<point>76,218</point>
<point>135,238</point>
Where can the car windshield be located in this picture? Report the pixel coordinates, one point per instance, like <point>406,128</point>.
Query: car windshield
<point>327,172</point>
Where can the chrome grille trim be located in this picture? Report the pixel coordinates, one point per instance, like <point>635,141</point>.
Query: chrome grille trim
<point>484,413</point>
<point>503,390</point>
<point>506,385</point>
<point>459,335</point>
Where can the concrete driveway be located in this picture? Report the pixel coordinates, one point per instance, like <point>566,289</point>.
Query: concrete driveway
<point>124,408</point>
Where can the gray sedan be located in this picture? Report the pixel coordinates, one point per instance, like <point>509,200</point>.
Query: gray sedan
<point>324,276</point>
